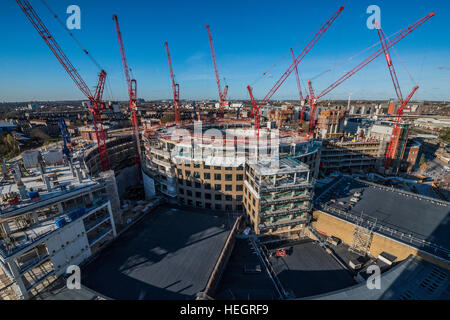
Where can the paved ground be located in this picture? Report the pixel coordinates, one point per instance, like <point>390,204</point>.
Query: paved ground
<point>169,255</point>
<point>235,284</point>
<point>308,270</point>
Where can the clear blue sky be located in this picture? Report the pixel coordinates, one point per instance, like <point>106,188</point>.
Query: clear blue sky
<point>250,36</point>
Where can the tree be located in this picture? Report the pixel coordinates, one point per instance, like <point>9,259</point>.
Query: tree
<point>423,163</point>
<point>167,117</point>
<point>9,147</point>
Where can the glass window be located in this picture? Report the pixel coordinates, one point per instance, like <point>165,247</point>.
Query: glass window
<point>208,196</point>
<point>229,177</point>
<point>198,185</point>
<point>239,177</point>
<point>218,207</point>
<point>218,197</point>
<point>207,186</point>
<point>198,194</point>
<point>239,187</point>
<point>228,187</point>
<point>217,176</point>
<point>228,197</point>
<point>207,175</point>
<point>218,187</point>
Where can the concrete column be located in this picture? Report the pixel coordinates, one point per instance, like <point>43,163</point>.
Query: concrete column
<point>18,280</point>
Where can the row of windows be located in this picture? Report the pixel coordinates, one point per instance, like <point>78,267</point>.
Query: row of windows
<point>208,196</point>
<point>206,167</point>
<point>207,175</point>
<point>208,186</point>
<point>208,205</point>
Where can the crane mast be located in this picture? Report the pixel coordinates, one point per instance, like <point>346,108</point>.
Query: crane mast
<point>392,149</point>
<point>297,78</point>
<point>175,87</point>
<point>256,108</point>
<point>95,101</point>
<point>222,95</point>
<point>399,35</point>
<point>132,91</point>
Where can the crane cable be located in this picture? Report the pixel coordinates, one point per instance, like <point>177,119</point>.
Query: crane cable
<point>350,58</point>
<point>72,35</point>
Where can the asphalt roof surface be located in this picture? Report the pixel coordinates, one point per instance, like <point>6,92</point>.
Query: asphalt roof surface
<point>408,213</point>
<point>170,254</point>
<point>237,285</point>
<point>412,279</point>
<point>308,270</point>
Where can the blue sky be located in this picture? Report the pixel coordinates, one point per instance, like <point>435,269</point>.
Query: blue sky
<point>250,37</point>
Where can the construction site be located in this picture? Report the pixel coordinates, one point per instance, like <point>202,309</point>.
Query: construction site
<point>214,201</point>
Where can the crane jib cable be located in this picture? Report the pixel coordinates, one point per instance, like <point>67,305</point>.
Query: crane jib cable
<point>72,35</point>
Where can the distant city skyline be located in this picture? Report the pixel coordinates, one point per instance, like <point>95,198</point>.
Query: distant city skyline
<point>248,43</point>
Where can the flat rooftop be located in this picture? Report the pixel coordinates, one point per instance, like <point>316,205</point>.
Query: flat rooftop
<point>65,184</point>
<point>308,270</point>
<point>411,279</point>
<point>419,221</point>
<point>237,285</point>
<point>168,255</point>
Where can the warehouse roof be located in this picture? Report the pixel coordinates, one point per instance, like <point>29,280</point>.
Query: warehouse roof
<point>417,220</point>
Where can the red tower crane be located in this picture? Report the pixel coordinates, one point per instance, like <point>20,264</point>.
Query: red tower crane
<point>175,87</point>
<point>256,108</point>
<point>399,35</point>
<point>222,95</point>
<point>95,101</point>
<point>132,92</point>
<point>393,143</point>
<point>302,102</point>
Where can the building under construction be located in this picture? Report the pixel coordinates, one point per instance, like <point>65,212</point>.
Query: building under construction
<point>52,216</point>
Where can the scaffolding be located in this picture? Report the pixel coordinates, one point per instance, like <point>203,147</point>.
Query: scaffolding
<point>362,235</point>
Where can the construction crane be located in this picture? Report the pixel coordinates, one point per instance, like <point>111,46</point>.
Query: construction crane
<point>256,108</point>
<point>96,104</point>
<point>398,36</point>
<point>222,95</point>
<point>302,101</point>
<point>132,92</point>
<point>175,87</point>
<point>67,143</point>
<point>393,149</point>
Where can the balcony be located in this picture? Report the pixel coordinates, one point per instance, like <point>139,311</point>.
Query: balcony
<point>287,197</point>
<point>286,210</point>
<point>284,223</point>
<point>287,185</point>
